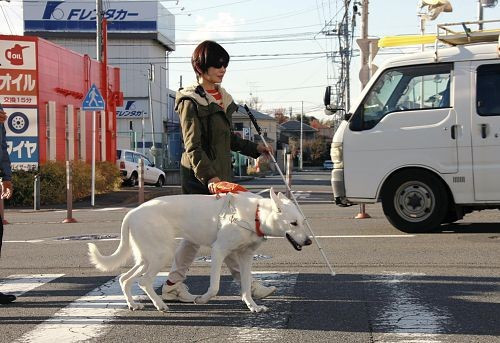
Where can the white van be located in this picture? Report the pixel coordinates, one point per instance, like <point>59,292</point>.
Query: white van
<point>424,138</point>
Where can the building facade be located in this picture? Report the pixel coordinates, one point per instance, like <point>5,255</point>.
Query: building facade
<point>43,101</point>
<point>140,36</point>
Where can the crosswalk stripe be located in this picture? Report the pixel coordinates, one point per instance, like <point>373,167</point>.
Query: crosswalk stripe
<point>266,326</point>
<point>20,284</point>
<point>86,318</point>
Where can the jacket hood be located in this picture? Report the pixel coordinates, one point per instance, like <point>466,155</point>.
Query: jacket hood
<point>190,91</point>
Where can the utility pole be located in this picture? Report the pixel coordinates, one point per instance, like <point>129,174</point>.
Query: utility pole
<point>347,55</point>
<point>301,138</point>
<point>99,29</point>
<point>99,50</point>
<point>480,14</point>
<point>151,79</point>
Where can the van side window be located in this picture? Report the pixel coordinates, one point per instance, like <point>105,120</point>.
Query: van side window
<point>405,89</point>
<point>488,90</point>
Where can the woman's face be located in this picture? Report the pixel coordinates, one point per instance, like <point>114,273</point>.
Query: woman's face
<point>214,75</point>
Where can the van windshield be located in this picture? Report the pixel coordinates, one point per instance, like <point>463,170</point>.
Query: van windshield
<point>404,89</point>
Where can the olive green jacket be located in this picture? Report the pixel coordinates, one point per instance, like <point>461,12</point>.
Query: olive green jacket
<point>208,135</point>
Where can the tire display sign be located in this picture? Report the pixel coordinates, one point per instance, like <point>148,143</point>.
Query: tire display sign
<point>22,137</point>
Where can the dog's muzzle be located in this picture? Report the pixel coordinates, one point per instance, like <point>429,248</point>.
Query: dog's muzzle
<point>296,245</point>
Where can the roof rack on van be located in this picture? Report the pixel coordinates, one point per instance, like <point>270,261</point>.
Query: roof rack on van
<point>460,34</point>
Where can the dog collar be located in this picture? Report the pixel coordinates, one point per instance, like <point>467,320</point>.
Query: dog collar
<point>257,223</point>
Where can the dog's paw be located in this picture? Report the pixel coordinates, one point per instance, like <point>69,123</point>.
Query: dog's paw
<point>162,307</point>
<point>258,309</point>
<point>135,306</point>
<point>201,299</point>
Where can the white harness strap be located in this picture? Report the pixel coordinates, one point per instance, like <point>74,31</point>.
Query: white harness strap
<point>228,215</point>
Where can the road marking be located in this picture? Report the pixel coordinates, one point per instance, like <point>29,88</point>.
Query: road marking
<point>20,284</point>
<point>87,317</point>
<point>268,327</point>
<point>407,317</point>
<point>179,238</point>
<point>358,236</point>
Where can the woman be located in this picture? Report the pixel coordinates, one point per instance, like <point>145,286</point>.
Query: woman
<point>205,111</point>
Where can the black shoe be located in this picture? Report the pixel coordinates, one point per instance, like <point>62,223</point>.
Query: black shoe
<point>6,298</point>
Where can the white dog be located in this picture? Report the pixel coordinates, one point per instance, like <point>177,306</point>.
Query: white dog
<point>230,224</point>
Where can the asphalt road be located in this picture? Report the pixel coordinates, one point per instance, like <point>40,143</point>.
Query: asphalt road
<point>389,286</point>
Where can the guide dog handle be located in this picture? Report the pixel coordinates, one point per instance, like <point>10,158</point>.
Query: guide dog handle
<point>259,131</point>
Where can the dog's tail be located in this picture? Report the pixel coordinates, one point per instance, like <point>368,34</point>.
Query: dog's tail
<point>120,256</point>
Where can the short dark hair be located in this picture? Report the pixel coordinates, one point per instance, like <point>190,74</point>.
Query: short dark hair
<point>208,54</point>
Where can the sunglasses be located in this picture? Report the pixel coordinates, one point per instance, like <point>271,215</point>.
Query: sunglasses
<point>219,63</point>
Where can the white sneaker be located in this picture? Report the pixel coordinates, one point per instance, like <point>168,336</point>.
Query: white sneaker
<point>259,291</point>
<point>178,291</point>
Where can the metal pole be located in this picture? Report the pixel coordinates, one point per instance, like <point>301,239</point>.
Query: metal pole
<point>347,57</point>
<point>92,197</point>
<point>141,181</point>
<point>36,193</point>
<point>480,14</point>
<point>142,133</point>
<point>288,169</point>
<point>259,131</point>
<point>364,36</point>
<point>150,105</point>
<point>69,195</point>
<point>99,29</point>
<point>301,138</point>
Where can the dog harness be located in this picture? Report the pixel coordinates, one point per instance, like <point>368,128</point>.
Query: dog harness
<point>228,215</point>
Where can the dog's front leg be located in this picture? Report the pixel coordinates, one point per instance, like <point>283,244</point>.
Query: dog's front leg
<point>218,256</point>
<point>245,259</point>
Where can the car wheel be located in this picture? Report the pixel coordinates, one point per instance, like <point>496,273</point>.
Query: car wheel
<point>132,181</point>
<point>160,182</point>
<point>415,201</point>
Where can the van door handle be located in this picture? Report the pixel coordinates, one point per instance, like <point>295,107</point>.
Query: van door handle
<point>453,130</point>
<point>484,129</point>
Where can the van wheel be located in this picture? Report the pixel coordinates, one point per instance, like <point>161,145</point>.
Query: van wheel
<point>415,201</point>
<point>160,182</point>
<point>133,179</point>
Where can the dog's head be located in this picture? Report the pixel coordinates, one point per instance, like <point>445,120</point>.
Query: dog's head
<point>285,220</point>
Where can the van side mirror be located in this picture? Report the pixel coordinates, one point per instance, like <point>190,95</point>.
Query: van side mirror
<point>347,116</point>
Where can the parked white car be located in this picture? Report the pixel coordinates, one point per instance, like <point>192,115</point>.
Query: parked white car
<point>128,162</point>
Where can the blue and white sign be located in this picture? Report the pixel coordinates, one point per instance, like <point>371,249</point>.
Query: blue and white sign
<point>80,16</point>
<point>22,137</point>
<point>93,100</point>
<point>133,108</point>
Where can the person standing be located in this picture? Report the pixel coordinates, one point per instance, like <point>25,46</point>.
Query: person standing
<point>6,184</point>
<point>205,110</point>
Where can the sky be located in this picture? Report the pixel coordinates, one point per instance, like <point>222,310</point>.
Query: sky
<point>277,48</point>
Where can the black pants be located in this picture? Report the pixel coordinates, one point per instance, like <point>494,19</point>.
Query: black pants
<point>190,184</point>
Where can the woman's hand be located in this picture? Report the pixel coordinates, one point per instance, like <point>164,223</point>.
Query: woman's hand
<point>264,150</point>
<point>211,184</point>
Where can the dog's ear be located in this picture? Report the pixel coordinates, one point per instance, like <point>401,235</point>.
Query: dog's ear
<point>282,196</point>
<point>275,201</point>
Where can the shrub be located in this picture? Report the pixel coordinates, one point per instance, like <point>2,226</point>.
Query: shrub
<point>53,182</point>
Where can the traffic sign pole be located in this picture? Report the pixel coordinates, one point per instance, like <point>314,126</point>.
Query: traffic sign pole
<point>93,101</point>
<point>92,198</point>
